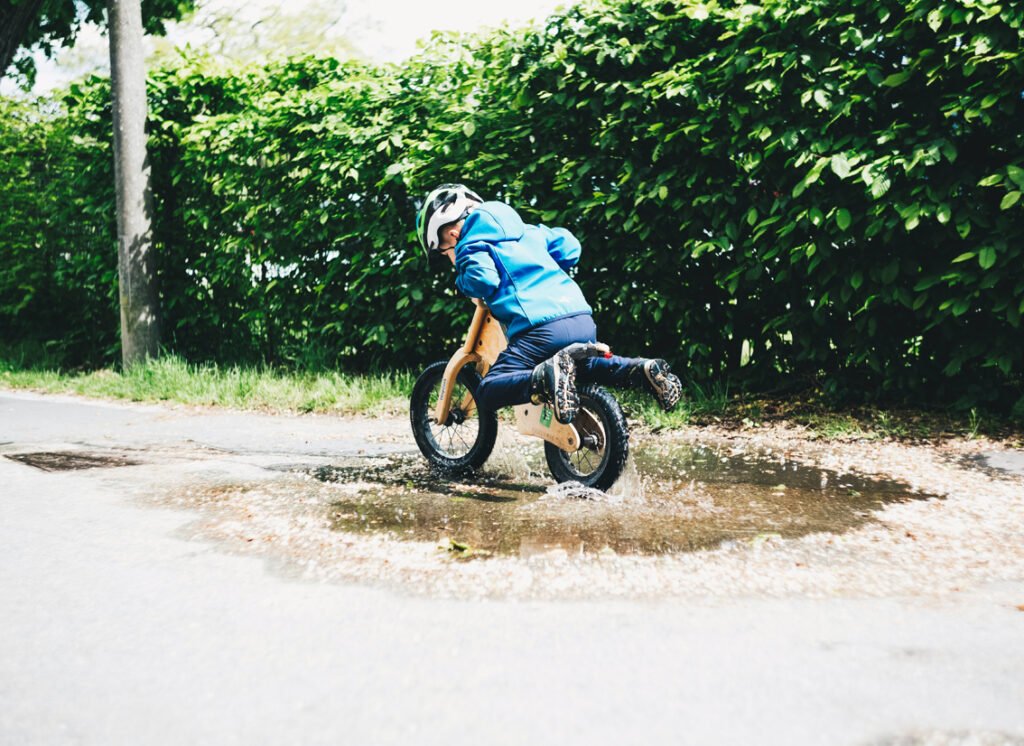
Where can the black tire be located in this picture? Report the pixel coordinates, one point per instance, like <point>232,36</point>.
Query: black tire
<point>600,465</point>
<point>463,443</point>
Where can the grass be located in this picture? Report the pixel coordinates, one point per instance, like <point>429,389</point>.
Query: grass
<point>172,379</point>
<point>700,404</point>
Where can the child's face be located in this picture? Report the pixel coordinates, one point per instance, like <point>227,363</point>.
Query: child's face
<point>449,237</point>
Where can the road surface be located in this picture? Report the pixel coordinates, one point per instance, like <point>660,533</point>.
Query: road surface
<point>118,626</point>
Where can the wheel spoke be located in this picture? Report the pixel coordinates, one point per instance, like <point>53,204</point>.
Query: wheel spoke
<point>587,461</point>
<point>456,438</point>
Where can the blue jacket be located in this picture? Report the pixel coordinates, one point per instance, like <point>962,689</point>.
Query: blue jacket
<point>518,270</point>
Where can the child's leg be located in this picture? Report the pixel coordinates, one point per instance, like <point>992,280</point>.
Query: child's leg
<point>653,375</point>
<point>608,371</point>
<point>508,381</point>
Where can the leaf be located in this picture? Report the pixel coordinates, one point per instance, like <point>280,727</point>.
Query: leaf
<point>964,257</point>
<point>897,79</point>
<point>752,216</point>
<point>943,213</point>
<point>856,280</point>
<point>987,257</point>
<point>1009,200</point>
<point>663,193</point>
<point>843,219</point>
<point>468,128</point>
<point>1016,175</point>
<point>879,186</point>
<point>840,166</point>
<point>821,98</point>
<point>935,19</point>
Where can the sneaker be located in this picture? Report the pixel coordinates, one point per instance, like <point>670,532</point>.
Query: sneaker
<point>663,384</point>
<point>554,383</point>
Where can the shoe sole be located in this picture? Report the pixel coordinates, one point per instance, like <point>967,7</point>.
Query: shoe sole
<point>668,390</point>
<point>566,401</point>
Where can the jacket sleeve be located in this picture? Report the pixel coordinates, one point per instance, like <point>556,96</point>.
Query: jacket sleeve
<point>563,246</point>
<point>475,273</point>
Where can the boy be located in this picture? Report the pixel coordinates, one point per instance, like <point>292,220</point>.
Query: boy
<point>519,271</point>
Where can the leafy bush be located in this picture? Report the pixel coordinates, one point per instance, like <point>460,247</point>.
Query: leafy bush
<point>796,192</point>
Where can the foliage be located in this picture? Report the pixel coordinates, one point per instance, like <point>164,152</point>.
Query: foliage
<point>776,195</point>
<point>58,272</point>
<point>55,23</point>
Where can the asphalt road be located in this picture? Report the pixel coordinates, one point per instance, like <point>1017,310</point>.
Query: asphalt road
<point>115,627</point>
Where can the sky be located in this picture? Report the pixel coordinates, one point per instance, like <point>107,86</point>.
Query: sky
<point>381,30</point>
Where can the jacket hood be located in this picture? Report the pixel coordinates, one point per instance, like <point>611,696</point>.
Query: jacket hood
<point>494,222</point>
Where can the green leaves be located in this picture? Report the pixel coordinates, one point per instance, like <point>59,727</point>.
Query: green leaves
<point>877,182</point>
<point>896,79</point>
<point>987,257</point>
<point>840,165</point>
<point>843,231</point>
<point>1016,174</point>
<point>843,219</point>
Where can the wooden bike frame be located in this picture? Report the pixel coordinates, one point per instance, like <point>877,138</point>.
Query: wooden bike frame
<point>484,342</point>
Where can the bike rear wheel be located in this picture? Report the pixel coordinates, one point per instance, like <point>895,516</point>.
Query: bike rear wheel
<point>466,440</point>
<point>605,438</point>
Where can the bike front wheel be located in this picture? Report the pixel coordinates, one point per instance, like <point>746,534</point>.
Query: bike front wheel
<point>466,440</point>
<point>604,436</point>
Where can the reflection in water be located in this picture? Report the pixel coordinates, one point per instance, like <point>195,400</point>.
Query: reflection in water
<point>681,498</point>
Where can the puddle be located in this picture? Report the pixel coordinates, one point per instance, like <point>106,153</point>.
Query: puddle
<point>675,499</point>
<point>71,460</point>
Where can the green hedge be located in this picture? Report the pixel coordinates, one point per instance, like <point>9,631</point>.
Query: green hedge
<point>799,192</point>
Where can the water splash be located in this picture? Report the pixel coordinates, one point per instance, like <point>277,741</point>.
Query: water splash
<point>630,486</point>
<point>511,456</point>
<point>577,491</point>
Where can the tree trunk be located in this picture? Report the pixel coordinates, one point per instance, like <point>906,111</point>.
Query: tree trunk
<point>140,328</point>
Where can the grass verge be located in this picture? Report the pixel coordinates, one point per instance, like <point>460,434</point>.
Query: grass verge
<point>172,379</point>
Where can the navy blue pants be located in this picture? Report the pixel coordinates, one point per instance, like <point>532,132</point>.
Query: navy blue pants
<point>508,381</point>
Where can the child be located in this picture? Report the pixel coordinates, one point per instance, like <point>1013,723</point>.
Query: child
<point>519,271</point>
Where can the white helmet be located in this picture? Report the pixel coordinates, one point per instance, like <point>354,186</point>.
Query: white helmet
<point>448,203</point>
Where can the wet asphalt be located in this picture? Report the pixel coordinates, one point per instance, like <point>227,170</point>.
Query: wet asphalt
<point>119,626</point>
